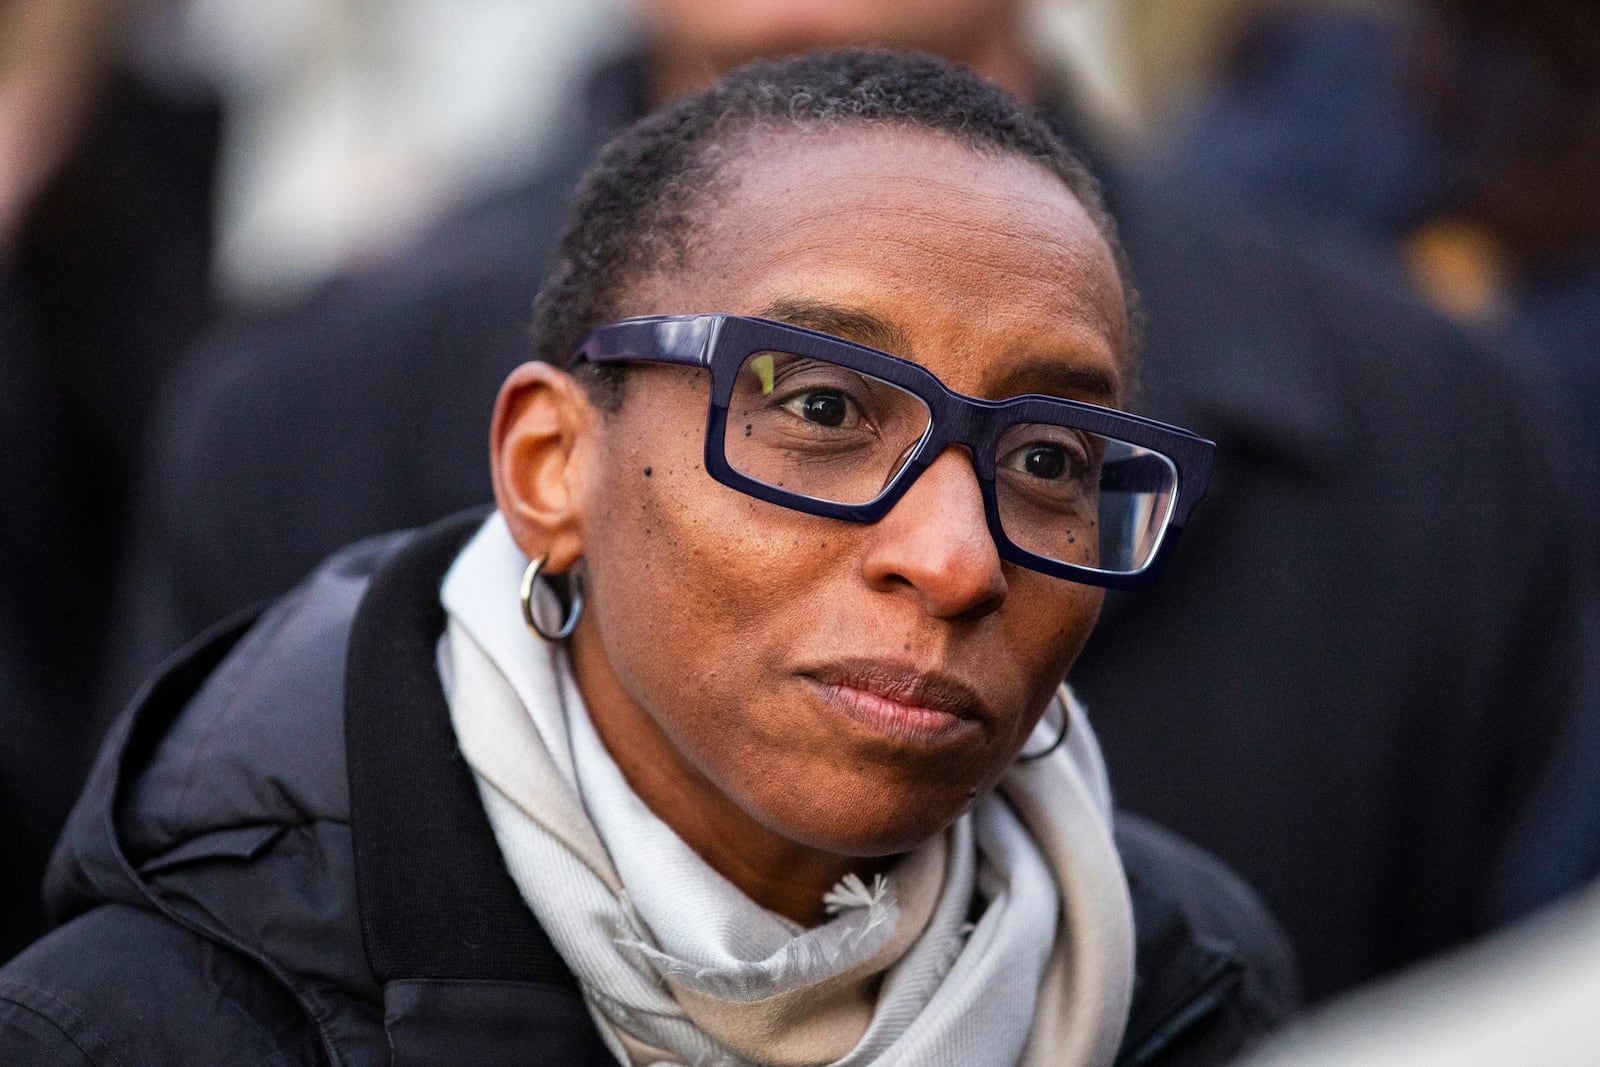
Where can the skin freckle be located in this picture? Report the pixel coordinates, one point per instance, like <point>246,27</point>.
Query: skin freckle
<point>647,472</point>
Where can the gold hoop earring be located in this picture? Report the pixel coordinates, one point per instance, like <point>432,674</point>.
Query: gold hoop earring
<point>568,624</point>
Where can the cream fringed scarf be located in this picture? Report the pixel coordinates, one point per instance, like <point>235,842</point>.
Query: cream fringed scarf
<point>679,967</point>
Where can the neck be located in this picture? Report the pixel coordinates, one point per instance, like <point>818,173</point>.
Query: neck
<point>995,48</point>
<point>783,876</point>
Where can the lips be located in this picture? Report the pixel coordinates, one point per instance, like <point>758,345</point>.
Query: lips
<point>899,700</point>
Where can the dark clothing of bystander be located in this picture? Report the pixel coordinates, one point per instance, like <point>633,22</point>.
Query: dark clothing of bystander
<point>105,287</point>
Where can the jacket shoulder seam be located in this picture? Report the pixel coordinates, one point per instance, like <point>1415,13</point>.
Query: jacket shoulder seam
<point>43,1005</point>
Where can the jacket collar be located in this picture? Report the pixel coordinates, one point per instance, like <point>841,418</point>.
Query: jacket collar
<point>468,974</point>
<point>435,900</point>
<point>90,865</point>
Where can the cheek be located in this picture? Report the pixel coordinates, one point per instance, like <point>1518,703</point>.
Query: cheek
<point>698,594</point>
<point>1049,621</point>
<point>683,574</point>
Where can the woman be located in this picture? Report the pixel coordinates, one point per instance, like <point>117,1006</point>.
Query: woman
<point>783,774</point>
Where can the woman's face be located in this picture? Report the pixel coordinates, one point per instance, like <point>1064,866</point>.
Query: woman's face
<point>839,687</point>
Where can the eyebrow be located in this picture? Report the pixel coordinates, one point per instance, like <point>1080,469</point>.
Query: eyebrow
<point>1055,378</point>
<point>841,321</point>
<point>1047,377</point>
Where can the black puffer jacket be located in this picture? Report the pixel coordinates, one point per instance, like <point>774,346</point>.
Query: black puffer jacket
<point>263,873</point>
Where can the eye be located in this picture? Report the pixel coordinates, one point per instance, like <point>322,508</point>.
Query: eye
<point>825,407</point>
<point>1046,460</point>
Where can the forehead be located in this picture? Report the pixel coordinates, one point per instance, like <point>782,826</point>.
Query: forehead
<point>982,263</point>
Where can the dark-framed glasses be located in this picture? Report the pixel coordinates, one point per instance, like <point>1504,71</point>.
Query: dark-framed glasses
<point>833,428</point>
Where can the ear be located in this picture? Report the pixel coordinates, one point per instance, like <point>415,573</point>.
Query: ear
<point>540,439</point>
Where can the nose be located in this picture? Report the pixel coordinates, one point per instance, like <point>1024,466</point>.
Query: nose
<point>935,543</point>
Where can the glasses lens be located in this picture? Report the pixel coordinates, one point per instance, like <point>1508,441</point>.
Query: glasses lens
<point>1077,497</point>
<point>819,429</point>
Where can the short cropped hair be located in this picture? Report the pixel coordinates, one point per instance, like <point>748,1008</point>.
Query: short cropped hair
<point>634,211</point>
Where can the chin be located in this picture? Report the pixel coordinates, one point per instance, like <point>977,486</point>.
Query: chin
<point>870,827</point>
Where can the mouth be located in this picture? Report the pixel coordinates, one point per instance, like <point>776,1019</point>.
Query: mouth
<point>900,701</point>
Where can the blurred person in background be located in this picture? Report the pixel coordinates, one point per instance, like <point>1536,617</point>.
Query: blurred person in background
<point>105,185</point>
<point>1462,137</point>
<point>38,762</point>
<point>1460,140</point>
<point>118,194</point>
<point>1351,682</point>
